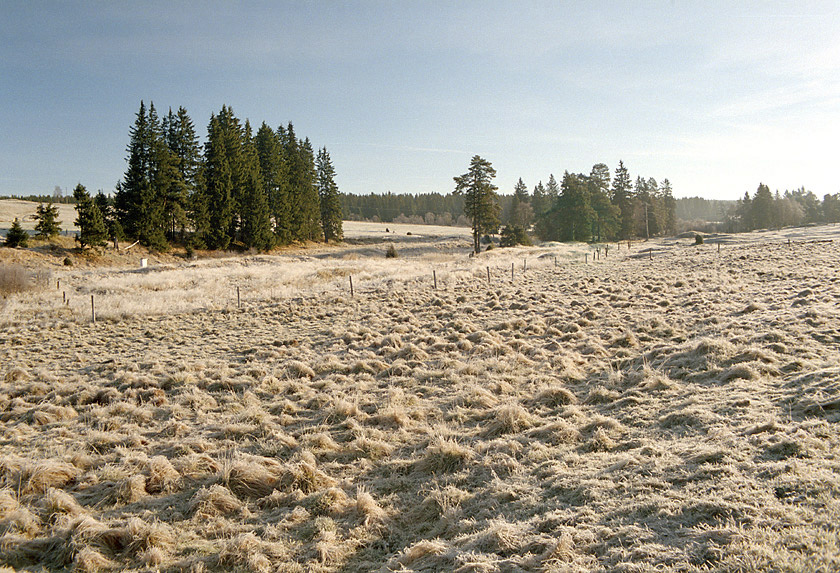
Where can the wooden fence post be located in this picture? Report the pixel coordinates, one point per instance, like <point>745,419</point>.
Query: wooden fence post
<point>488,276</point>
<point>434,276</point>
<point>238,299</point>
<point>92,311</point>
<point>351,285</point>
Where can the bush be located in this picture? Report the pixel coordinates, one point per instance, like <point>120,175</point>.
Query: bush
<point>513,235</point>
<point>391,252</point>
<point>15,278</point>
<point>698,239</point>
<point>68,262</point>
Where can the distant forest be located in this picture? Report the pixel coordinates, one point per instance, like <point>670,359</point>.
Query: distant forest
<point>580,207</point>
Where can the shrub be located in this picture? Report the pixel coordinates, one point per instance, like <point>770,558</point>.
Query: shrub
<point>513,235</point>
<point>391,252</point>
<point>698,239</point>
<point>15,278</point>
<point>68,262</point>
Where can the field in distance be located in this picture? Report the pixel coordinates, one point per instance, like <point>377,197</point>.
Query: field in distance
<point>662,406</point>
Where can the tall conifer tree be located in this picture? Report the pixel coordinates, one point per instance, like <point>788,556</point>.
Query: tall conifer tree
<point>254,212</point>
<point>480,205</point>
<point>330,202</point>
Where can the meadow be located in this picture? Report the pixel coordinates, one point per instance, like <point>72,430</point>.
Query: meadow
<point>667,406</point>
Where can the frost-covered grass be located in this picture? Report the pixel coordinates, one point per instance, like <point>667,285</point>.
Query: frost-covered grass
<point>628,414</point>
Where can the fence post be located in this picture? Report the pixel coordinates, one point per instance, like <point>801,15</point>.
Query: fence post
<point>434,276</point>
<point>351,285</point>
<point>92,311</point>
<point>488,276</point>
<point>511,272</point>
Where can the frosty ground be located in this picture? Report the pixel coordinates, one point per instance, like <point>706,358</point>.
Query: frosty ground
<point>668,406</point>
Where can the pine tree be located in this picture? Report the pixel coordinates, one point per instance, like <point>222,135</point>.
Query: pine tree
<point>622,196</point>
<point>141,196</point>
<point>92,232</point>
<point>331,222</point>
<point>304,208</point>
<point>479,193</point>
<point>540,203</point>
<point>552,189</point>
<point>220,152</point>
<point>669,204</point>
<point>762,210</point>
<point>17,236</point>
<point>112,225</point>
<point>48,225</point>
<point>309,201</point>
<point>521,214</point>
<point>573,208</point>
<point>275,174</point>
<point>254,212</point>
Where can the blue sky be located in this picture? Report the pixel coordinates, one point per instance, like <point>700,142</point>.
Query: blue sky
<point>714,96</point>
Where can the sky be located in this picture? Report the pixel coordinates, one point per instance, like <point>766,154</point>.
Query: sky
<point>715,96</point>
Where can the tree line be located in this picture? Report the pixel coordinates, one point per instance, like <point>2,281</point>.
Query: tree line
<point>768,210</point>
<point>242,189</point>
<point>582,207</point>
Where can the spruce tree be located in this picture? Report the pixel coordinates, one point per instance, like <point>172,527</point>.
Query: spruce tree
<point>274,173</point>
<point>92,232</point>
<point>521,214</point>
<point>573,208</point>
<point>331,219</point>
<point>479,193</point>
<point>112,225</point>
<point>141,196</point>
<point>309,201</point>
<point>539,201</point>
<point>622,196</point>
<point>223,178</point>
<point>48,225</point>
<point>17,236</point>
<point>255,215</point>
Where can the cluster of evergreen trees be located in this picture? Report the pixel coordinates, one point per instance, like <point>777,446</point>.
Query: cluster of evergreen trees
<point>243,189</point>
<point>766,210</point>
<point>595,207</point>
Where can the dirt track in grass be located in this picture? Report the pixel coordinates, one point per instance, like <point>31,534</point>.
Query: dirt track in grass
<point>630,414</point>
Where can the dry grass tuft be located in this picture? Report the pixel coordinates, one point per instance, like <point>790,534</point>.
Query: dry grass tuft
<point>215,501</point>
<point>132,489</point>
<point>57,501</point>
<point>367,508</point>
<point>46,474</point>
<point>445,455</point>
<point>163,477</point>
<point>509,419</point>
<point>554,396</point>
<point>297,369</point>
<point>90,560</point>
<point>249,479</point>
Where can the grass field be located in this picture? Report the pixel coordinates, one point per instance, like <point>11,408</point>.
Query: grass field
<point>667,407</point>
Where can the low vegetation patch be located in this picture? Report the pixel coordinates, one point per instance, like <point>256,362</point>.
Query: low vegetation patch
<point>560,420</point>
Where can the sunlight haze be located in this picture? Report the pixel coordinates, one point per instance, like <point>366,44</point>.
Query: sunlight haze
<point>715,96</point>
